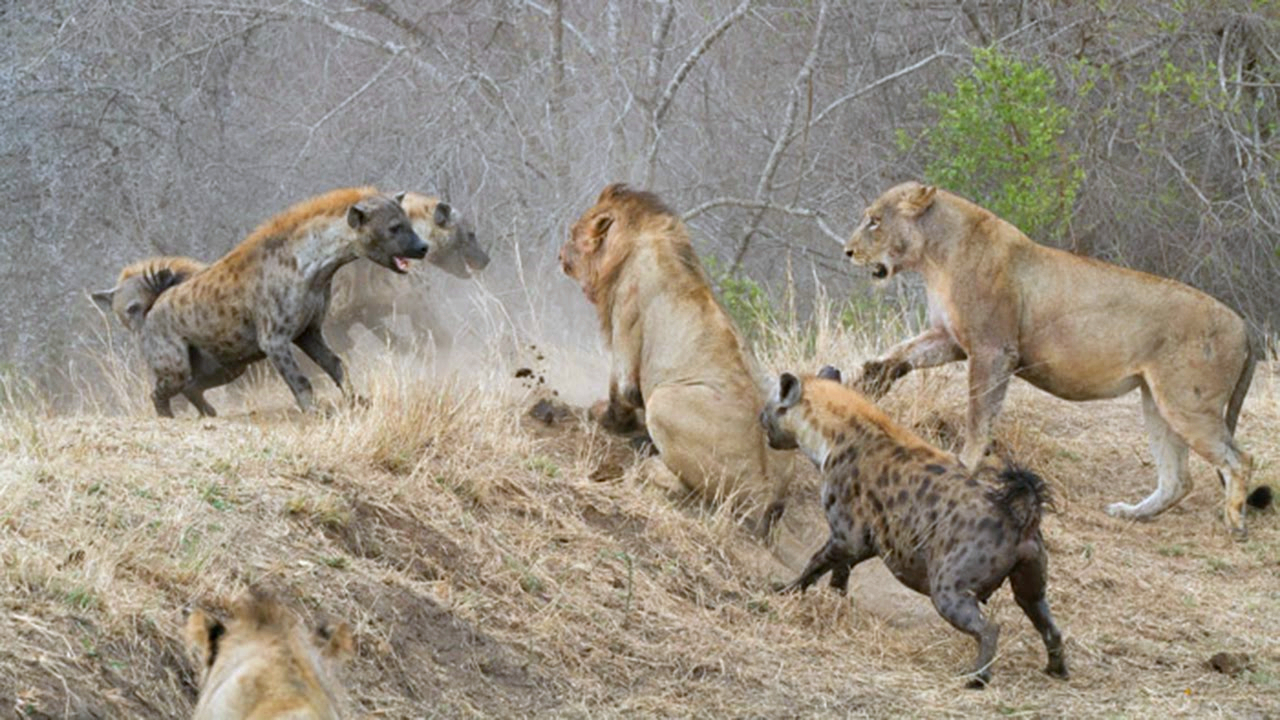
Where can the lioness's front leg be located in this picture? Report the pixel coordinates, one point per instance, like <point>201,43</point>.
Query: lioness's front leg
<point>989,373</point>
<point>930,348</point>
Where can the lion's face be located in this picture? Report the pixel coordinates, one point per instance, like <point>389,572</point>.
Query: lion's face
<point>581,254</point>
<point>887,239</point>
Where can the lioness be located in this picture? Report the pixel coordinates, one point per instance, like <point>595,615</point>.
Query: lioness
<point>1073,326</point>
<point>676,354</point>
<point>942,529</point>
<point>262,664</point>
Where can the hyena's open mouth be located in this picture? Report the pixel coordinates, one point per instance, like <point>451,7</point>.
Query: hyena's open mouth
<point>401,264</point>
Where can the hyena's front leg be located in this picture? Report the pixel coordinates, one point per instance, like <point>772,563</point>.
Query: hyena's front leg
<point>931,348</point>
<point>279,350</point>
<point>312,343</point>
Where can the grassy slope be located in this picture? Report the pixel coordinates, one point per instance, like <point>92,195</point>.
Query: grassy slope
<point>492,565</point>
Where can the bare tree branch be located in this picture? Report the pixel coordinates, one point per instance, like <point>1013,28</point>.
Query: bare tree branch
<point>663,104</point>
<point>798,91</point>
<point>817,216</point>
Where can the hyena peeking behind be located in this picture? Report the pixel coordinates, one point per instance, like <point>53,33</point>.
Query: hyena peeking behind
<point>271,292</point>
<point>941,529</point>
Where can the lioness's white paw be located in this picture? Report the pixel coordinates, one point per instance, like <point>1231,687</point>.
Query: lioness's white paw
<point>1122,510</point>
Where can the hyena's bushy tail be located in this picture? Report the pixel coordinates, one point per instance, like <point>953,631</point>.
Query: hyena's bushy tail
<point>1024,495</point>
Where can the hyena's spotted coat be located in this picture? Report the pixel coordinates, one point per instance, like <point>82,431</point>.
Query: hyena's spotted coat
<point>272,292</point>
<point>941,530</point>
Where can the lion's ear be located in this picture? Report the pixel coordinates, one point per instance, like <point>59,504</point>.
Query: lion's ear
<point>919,200</point>
<point>829,372</point>
<point>599,229</point>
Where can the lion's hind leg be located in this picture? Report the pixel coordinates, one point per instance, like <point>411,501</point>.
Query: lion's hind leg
<point>1170,452</point>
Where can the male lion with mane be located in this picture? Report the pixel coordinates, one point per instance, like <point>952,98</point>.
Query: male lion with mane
<point>676,355</point>
<point>263,664</point>
<point>1073,326</point>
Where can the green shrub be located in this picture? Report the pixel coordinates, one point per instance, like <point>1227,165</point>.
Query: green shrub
<point>998,140</point>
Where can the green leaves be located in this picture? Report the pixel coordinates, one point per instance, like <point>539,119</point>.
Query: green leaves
<point>998,140</point>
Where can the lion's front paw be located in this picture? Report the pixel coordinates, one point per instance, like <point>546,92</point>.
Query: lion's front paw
<point>615,419</point>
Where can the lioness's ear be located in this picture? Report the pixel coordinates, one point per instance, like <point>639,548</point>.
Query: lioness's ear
<point>203,633</point>
<point>441,217</point>
<point>918,201</point>
<point>358,214</point>
<point>103,298</point>
<point>336,640</point>
<point>400,197</point>
<point>788,391</point>
<point>829,372</point>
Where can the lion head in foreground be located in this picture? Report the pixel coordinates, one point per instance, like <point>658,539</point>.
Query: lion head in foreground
<point>262,663</point>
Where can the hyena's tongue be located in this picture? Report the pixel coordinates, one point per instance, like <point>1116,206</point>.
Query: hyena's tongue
<point>402,264</point>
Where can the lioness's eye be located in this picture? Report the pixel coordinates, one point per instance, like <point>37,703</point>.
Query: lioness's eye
<point>873,223</point>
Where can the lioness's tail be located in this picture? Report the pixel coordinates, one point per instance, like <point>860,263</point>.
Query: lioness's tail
<point>1260,498</point>
<point>1024,495</point>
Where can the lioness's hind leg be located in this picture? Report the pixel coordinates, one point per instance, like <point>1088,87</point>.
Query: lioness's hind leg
<point>1204,429</point>
<point>1170,453</point>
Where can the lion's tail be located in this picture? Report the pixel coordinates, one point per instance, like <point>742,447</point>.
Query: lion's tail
<point>1024,495</point>
<point>1260,498</point>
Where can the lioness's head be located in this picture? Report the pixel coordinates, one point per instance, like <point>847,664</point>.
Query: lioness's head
<point>385,232</point>
<point>451,236</point>
<point>263,657</point>
<point>803,411</point>
<point>887,239</point>
<point>140,284</point>
<point>601,239</point>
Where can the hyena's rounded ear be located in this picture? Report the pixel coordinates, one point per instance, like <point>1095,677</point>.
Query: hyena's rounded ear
<point>443,211</point>
<point>788,390</point>
<point>829,372</point>
<point>918,200</point>
<point>103,298</point>
<point>358,214</point>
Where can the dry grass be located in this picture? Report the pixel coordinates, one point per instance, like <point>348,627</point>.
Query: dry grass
<point>494,565</point>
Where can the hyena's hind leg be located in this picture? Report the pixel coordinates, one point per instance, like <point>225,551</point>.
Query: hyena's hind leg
<point>171,367</point>
<point>1027,579</point>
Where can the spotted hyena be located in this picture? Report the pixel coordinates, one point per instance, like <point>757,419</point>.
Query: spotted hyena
<point>140,284</point>
<point>271,292</point>
<point>942,530</point>
<point>364,295</point>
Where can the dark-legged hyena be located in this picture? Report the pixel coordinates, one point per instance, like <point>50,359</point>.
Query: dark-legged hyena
<point>364,295</point>
<point>271,292</point>
<point>941,530</point>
